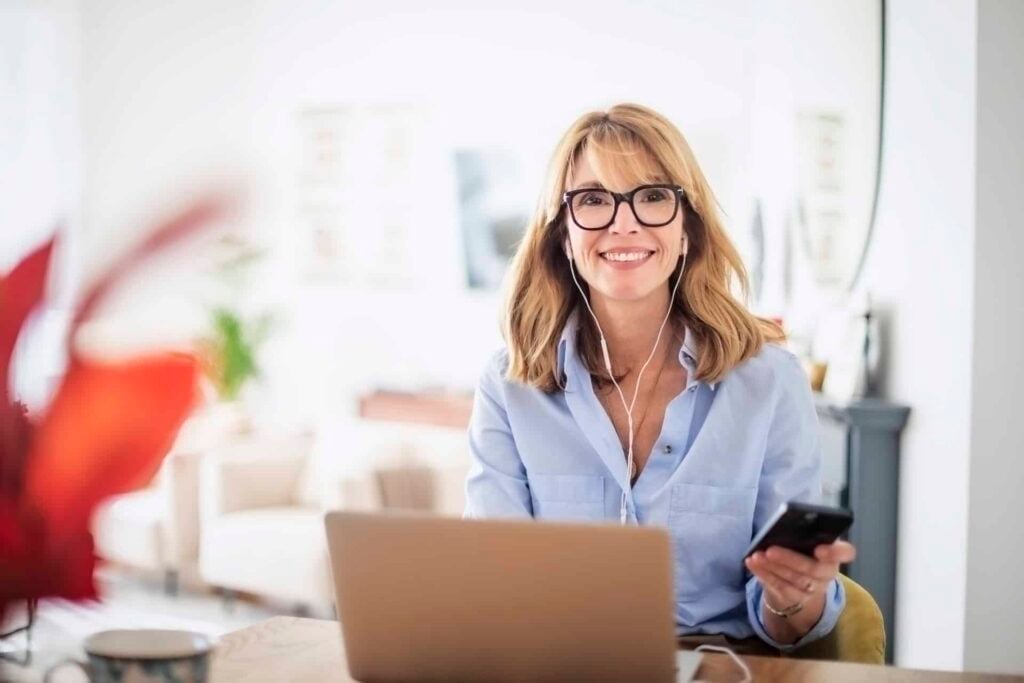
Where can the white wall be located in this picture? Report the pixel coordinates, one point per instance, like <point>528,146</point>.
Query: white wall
<point>39,144</point>
<point>176,86</point>
<point>945,269</point>
<point>40,168</point>
<point>994,623</point>
<point>921,273</point>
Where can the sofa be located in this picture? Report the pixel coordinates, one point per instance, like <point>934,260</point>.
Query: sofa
<point>262,500</point>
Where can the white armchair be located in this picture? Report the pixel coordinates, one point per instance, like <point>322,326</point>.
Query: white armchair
<point>256,535</point>
<point>157,528</point>
<point>262,502</point>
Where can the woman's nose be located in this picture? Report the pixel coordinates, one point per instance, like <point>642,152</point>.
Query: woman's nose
<point>625,221</point>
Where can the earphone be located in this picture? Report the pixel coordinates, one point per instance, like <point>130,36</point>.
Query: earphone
<point>747,676</point>
<point>608,362</point>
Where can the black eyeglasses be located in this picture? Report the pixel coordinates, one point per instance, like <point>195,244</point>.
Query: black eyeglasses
<point>653,205</point>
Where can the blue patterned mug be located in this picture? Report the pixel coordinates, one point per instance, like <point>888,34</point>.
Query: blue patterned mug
<point>144,656</point>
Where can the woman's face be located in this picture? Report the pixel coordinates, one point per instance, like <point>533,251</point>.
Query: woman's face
<point>626,261</point>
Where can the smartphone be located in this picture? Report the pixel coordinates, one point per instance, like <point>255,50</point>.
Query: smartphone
<point>802,527</point>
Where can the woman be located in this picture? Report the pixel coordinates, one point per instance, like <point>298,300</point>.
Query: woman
<point>634,387</point>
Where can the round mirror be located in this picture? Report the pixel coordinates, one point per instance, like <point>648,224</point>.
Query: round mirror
<point>815,147</point>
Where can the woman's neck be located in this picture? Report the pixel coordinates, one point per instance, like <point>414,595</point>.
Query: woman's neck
<point>631,327</point>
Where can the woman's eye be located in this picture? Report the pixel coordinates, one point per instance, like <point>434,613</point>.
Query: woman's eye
<point>594,199</point>
<point>654,196</point>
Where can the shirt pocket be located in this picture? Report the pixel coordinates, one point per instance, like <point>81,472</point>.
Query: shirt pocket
<point>711,527</point>
<point>568,497</point>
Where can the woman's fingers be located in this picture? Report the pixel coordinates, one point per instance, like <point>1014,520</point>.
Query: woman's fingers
<point>790,577</point>
<point>815,569</point>
<point>781,588</point>
<point>805,583</point>
<point>840,552</point>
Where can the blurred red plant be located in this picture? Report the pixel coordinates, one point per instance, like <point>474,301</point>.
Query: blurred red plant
<point>106,430</point>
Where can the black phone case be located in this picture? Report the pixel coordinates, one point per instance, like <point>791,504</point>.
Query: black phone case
<point>803,527</point>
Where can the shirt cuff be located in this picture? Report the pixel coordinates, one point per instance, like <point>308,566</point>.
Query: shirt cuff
<point>835,601</point>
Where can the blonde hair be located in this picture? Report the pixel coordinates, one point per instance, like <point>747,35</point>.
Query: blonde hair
<point>543,296</point>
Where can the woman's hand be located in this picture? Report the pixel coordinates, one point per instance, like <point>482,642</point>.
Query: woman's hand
<point>796,584</point>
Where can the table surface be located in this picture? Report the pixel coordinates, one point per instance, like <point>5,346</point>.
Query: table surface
<point>294,649</point>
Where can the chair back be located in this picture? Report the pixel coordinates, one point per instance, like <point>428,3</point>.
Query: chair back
<point>859,635</point>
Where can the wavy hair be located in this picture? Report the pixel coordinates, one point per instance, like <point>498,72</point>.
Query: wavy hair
<point>619,144</point>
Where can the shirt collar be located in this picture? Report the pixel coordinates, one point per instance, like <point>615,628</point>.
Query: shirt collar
<point>687,352</point>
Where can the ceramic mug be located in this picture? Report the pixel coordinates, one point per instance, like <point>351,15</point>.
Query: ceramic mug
<point>144,656</point>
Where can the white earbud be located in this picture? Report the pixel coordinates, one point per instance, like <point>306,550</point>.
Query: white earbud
<point>623,507</point>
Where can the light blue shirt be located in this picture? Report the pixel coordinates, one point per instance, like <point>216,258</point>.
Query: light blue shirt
<point>728,455</point>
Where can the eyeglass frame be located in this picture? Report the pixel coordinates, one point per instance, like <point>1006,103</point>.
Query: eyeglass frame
<point>627,197</point>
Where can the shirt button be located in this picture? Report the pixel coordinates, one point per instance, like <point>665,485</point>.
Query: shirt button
<point>667,448</point>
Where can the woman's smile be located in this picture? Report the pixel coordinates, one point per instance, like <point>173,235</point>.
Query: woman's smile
<point>626,258</point>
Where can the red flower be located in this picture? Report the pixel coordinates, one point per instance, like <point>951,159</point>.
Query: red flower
<point>105,432</point>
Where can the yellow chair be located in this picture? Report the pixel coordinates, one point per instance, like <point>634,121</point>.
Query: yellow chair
<point>859,635</point>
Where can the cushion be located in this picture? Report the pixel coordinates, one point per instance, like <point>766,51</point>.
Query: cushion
<point>128,529</point>
<point>277,552</point>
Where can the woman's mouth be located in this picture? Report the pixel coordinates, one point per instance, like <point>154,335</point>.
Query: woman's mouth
<point>626,258</point>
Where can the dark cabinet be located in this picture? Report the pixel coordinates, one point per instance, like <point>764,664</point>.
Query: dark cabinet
<point>860,443</point>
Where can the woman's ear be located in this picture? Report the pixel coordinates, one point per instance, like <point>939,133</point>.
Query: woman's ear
<point>686,245</point>
<point>568,249</point>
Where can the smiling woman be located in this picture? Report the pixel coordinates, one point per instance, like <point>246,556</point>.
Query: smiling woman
<point>625,149</point>
<point>626,267</point>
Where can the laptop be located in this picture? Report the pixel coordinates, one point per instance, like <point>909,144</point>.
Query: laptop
<point>440,599</point>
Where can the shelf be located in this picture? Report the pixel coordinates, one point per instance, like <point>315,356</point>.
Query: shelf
<point>424,408</point>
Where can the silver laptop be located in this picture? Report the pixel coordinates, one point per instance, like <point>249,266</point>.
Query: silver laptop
<point>440,599</point>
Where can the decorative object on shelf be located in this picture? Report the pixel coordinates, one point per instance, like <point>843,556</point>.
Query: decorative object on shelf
<point>105,431</point>
<point>871,347</point>
<point>816,371</point>
<point>853,356</point>
<point>844,380</point>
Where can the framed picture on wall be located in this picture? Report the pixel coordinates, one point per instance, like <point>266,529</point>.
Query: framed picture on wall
<point>494,207</point>
<point>355,207</point>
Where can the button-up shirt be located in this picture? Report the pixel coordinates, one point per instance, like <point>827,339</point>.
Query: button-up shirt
<point>728,455</point>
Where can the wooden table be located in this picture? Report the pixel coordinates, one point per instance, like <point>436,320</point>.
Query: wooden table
<point>293,649</point>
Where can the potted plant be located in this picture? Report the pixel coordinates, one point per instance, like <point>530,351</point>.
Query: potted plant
<point>105,431</point>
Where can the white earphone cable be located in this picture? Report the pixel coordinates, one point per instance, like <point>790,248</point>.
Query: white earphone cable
<point>747,676</point>
<point>608,366</point>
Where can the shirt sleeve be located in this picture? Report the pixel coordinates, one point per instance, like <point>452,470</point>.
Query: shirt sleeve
<point>791,471</point>
<point>497,484</point>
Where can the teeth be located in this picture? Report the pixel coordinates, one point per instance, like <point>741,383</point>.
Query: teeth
<point>627,256</point>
